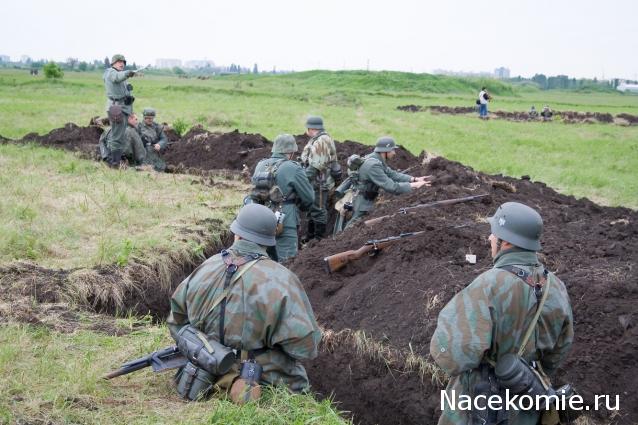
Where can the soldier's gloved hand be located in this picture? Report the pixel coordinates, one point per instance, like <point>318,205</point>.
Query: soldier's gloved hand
<point>130,74</point>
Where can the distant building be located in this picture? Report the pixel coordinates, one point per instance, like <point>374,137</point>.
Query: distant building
<point>25,59</point>
<point>627,87</point>
<point>4,59</point>
<point>193,64</point>
<point>502,73</point>
<point>167,63</point>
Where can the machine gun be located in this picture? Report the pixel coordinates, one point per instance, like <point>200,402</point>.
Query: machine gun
<point>405,210</point>
<point>167,358</point>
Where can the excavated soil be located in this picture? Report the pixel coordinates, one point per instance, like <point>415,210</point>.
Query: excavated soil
<point>567,117</point>
<point>395,297</point>
<point>391,301</point>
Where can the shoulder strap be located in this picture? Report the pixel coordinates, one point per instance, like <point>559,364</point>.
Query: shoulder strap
<point>532,325</point>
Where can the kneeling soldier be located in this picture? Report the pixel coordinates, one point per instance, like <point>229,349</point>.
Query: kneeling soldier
<point>251,304</point>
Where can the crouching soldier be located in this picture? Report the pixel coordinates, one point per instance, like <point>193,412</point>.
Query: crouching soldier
<point>154,138</point>
<point>130,148</point>
<point>509,329</point>
<point>251,304</point>
<point>374,174</point>
<point>282,185</point>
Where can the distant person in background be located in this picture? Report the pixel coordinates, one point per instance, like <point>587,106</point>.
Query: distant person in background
<point>119,105</point>
<point>546,113</point>
<point>154,138</point>
<point>533,113</point>
<point>483,99</point>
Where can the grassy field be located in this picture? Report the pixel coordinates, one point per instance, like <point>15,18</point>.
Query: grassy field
<point>49,377</point>
<point>598,161</point>
<point>64,212</point>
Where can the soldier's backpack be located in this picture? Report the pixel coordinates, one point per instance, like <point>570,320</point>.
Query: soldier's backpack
<point>265,190</point>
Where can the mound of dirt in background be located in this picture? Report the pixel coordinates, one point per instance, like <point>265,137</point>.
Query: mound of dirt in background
<point>70,137</point>
<point>396,296</point>
<point>568,117</point>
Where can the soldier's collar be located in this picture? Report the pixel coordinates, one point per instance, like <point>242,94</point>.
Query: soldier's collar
<point>244,247</point>
<point>516,256</point>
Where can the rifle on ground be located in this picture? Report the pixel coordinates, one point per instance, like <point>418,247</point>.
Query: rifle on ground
<point>338,261</point>
<point>405,210</point>
<point>167,358</point>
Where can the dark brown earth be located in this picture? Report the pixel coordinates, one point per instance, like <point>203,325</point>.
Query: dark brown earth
<point>568,117</point>
<point>593,250</point>
<point>391,301</point>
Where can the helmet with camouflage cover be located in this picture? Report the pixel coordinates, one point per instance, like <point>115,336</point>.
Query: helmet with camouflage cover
<point>118,57</point>
<point>284,143</point>
<point>315,122</point>
<point>255,223</point>
<point>517,224</point>
<point>385,144</point>
<point>149,112</point>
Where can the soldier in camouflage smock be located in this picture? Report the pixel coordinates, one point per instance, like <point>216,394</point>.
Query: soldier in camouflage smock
<point>375,174</point>
<point>266,313</point>
<point>319,157</point>
<point>132,148</point>
<point>297,191</point>
<point>489,318</point>
<point>154,138</point>
<point>118,94</point>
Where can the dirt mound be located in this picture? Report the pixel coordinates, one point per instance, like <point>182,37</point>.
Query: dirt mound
<point>70,137</point>
<point>568,117</point>
<point>395,297</point>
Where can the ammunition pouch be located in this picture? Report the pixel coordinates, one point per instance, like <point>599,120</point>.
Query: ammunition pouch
<point>194,383</point>
<point>205,353</point>
<point>128,100</point>
<point>488,386</point>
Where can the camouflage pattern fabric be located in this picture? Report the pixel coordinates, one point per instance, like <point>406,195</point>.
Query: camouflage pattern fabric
<point>153,134</point>
<point>375,174</point>
<point>317,156</point>
<point>489,318</point>
<point>292,181</point>
<point>267,308</point>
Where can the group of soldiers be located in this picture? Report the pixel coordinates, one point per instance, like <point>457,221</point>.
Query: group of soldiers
<point>546,113</point>
<point>141,143</point>
<point>245,298</point>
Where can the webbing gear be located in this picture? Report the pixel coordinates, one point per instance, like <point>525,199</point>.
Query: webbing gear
<point>231,269</point>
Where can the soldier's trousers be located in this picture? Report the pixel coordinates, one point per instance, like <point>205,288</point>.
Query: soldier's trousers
<point>116,138</point>
<point>287,244</point>
<point>134,149</point>
<point>319,211</point>
<point>154,158</point>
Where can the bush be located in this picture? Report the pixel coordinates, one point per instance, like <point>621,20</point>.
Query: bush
<point>180,126</point>
<point>52,70</point>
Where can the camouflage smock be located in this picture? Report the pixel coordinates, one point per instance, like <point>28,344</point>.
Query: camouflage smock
<point>489,318</point>
<point>267,307</point>
<point>317,155</point>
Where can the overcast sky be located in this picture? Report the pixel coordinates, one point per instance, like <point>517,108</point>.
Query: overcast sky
<point>586,38</point>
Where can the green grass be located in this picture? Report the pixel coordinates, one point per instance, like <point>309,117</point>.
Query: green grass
<point>62,211</point>
<point>49,377</point>
<point>597,161</point>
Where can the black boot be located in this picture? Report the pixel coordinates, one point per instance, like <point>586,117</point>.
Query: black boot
<point>320,230</point>
<point>310,233</point>
<point>115,159</point>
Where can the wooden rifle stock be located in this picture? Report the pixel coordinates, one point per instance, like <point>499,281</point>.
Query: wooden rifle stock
<point>377,220</point>
<point>338,261</point>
